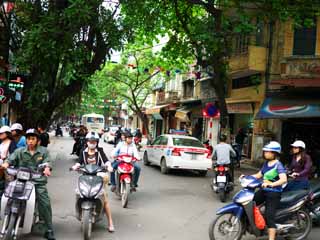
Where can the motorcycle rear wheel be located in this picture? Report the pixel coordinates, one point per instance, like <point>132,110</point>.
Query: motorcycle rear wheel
<point>86,224</point>
<point>223,196</point>
<point>223,224</point>
<point>125,194</point>
<point>301,215</point>
<point>10,227</point>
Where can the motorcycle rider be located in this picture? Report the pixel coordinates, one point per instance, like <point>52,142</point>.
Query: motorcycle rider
<point>17,134</point>
<point>274,176</point>
<point>300,167</point>
<point>81,133</point>
<point>32,156</point>
<point>138,133</point>
<point>222,153</point>
<point>117,136</point>
<point>93,154</point>
<point>44,137</point>
<point>129,148</point>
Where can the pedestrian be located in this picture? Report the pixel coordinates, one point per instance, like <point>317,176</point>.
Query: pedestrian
<point>274,177</point>
<point>299,168</point>
<point>44,137</point>
<point>4,120</point>
<point>222,153</point>
<point>117,136</point>
<point>239,139</point>
<point>93,154</point>
<point>7,147</point>
<point>17,134</point>
<point>31,157</point>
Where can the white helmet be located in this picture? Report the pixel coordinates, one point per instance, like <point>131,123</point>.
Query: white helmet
<point>5,129</point>
<point>299,144</point>
<point>92,136</point>
<point>272,146</point>
<point>16,126</point>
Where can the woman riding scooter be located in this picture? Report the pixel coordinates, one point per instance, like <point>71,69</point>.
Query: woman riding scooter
<point>300,167</point>
<point>95,155</point>
<point>274,176</point>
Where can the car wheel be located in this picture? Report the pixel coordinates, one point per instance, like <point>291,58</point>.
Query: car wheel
<point>163,166</point>
<point>203,173</point>
<point>145,159</point>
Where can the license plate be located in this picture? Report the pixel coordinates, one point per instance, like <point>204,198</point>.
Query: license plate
<point>194,157</point>
<point>222,179</point>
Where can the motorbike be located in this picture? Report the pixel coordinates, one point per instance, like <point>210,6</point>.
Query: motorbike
<point>124,178</point>
<point>59,132</point>
<point>221,182</point>
<point>80,144</point>
<point>137,142</point>
<point>18,203</point>
<point>236,219</point>
<point>89,197</point>
<point>208,146</point>
<point>237,148</point>
<point>315,207</point>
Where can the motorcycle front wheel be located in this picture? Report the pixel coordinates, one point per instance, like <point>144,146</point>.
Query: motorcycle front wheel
<point>226,227</point>
<point>303,224</point>
<point>86,224</point>
<point>10,228</point>
<point>125,194</point>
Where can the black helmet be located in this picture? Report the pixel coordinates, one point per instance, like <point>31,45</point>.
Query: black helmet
<point>32,132</point>
<point>128,135</point>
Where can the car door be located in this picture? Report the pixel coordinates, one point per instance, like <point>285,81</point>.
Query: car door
<point>152,149</point>
<point>162,149</point>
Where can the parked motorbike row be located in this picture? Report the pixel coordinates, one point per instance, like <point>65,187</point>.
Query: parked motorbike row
<point>298,210</point>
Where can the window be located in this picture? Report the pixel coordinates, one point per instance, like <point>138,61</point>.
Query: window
<point>188,87</point>
<point>305,39</point>
<point>157,141</point>
<point>164,141</point>
<point>247,81</point>
<point>241,43</point>
<point>187,142</point>
<point>94,120</point>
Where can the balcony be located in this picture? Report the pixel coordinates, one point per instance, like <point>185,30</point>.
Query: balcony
<point>254,59</point>
<point>299,71</point>
<point>172,96</point>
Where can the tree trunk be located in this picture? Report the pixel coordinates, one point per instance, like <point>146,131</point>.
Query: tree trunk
<point>144,121</point>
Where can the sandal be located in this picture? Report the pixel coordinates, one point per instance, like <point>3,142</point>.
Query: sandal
<point>111,228</point>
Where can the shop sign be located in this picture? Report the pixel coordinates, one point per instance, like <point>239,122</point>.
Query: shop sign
<point>182,115</point>
<point>301,68</point>
<point>240,108</point>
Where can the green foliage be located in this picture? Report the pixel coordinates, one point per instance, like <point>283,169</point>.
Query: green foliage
<point>61,43</point>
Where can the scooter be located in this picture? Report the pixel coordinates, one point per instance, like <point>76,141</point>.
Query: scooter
<point>18,203</point>
<point>221,182</point>
<point>59,132</point>
<point>237,148</point>
<point>89,197</point>
<point>236,219</point>
<point>124,178</point>
<point>315,207</point>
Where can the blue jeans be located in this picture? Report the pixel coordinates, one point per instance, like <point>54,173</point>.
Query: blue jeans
<point>296,185</point>
<point>137,170</point>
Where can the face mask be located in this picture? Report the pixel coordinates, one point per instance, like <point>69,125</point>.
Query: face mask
<point>92,145</point>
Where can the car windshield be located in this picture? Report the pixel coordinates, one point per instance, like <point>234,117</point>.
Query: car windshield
<point>187,142</point>
<point>94,120</point>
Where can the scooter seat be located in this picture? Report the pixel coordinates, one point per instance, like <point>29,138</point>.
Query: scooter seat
<point>291,197</point>
<point>315,186</point>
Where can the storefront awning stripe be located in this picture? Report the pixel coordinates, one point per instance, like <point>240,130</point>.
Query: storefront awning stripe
<point>156,109</point>
<point>277,108</point>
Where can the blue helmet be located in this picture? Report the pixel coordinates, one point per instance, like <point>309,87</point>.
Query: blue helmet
<point>272,146</point>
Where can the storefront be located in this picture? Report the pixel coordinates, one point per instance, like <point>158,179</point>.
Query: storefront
<point>292,116</point>
<point>241,118</point>
<point>157,122</point>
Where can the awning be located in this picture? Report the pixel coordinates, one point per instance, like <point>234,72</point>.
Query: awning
<point>245,73</point>
<point>155,110</point>
<point>289,107</point>
<point>182,113</point>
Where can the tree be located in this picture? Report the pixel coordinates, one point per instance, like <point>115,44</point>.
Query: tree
<point>133,79</point>
<point>204,29</point>
<point>61,43</point>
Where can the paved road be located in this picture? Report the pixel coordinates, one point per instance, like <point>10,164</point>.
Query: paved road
<point>173,207</point>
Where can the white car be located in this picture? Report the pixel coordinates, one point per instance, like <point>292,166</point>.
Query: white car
<point>178,152</point>
<point>110,135</point>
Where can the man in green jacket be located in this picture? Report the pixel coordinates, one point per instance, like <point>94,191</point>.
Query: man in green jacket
<point>32,156</point>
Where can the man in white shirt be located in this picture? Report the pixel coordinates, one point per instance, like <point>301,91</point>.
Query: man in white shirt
<point>223,151</point>
<point>128,148</point>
